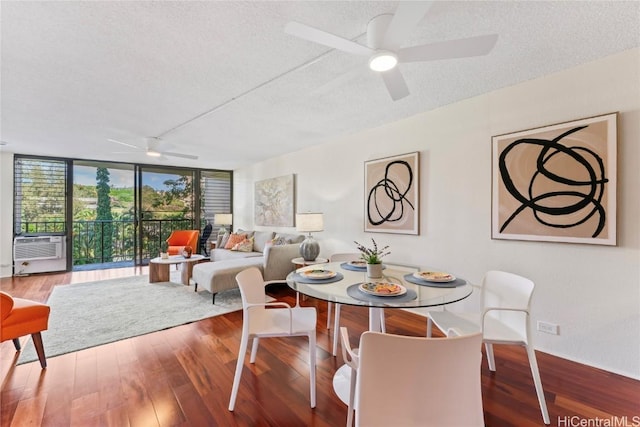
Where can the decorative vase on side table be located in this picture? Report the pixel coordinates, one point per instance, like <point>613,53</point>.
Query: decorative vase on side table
<point>187,251</point>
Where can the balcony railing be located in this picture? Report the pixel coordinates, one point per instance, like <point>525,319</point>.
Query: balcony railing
<point>103,241</point>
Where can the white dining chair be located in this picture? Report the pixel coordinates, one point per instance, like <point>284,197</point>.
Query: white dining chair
<point>344,257</point>
<point>352,360</point>
<point>258,321</point>
<point>504,319</point>
<point>415,381</point>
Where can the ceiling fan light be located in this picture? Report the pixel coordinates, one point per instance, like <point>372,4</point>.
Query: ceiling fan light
<point>383,61</point>
<point>153,153</point>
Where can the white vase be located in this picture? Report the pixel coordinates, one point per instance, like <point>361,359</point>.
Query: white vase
<point>374,271</point>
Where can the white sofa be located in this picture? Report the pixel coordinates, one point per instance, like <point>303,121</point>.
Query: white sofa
<point>274,260</point>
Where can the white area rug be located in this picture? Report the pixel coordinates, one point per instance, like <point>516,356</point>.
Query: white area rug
<point>85,315</point>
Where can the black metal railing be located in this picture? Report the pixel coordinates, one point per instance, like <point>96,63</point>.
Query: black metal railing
<point>104,241</point>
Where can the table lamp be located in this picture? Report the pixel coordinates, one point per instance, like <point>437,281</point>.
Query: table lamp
<point>222,220</point>
<point>308,223</point>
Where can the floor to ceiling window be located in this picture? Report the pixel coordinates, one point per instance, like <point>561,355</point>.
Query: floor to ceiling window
<point>103,214</point>
<point>166,203</point>
<point>113,213</point>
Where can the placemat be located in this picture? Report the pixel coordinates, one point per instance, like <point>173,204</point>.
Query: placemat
<point>302,279</point>
<point>354,292</point>
<point>348,266</point>
<point>413,279</point>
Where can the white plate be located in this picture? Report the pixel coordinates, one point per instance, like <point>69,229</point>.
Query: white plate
<point>434,276</point>
<point>318,274</point>
<point>358,264</point>
<point>372,288</point>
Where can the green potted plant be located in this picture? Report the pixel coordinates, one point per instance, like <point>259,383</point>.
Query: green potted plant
<point>373,258</point>
<point>164,248</point>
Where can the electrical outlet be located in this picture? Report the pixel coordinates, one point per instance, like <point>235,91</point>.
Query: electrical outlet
<point>548,328</point>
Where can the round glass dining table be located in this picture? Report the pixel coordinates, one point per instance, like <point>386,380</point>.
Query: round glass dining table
<point>344,288</point>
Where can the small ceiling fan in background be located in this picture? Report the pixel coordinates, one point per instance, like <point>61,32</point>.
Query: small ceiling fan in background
<point>155,148</point>
<point>385,35</point>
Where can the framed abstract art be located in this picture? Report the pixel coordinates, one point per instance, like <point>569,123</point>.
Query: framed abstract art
<point>556,183</point>
<point>391,194</point>
<point>274,201</point>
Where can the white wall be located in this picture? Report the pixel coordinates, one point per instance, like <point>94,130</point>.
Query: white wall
<point>591,291</point>
<point>6,214</point>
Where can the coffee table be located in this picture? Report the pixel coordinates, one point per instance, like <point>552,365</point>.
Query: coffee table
<point>159,267</point>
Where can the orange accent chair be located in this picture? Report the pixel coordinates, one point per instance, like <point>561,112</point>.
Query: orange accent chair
<point>22,317</point>
<point>181,238</point>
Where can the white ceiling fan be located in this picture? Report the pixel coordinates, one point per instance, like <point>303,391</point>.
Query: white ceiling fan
<point>154,148</point>
<point>385,35</point>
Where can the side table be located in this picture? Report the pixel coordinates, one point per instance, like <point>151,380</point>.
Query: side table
<point>300,262</point>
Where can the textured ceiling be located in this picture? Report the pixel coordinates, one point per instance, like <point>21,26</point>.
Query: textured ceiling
<point>222,80</point>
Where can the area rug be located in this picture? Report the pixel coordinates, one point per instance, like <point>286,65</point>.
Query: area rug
<point>89,314</point>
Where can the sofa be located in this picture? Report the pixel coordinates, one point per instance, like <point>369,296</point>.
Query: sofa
<point>268,251</point>
<point>178,239</point>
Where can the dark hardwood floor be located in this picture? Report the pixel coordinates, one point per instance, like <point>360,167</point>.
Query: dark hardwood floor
<point>182,376</point>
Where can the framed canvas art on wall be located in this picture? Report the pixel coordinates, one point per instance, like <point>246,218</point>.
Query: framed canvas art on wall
<point>274,201</point>
<point>391,194</point>
<point>556,183</point>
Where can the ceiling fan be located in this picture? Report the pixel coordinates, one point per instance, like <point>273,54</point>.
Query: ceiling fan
<point>154,149</point>
<point>385,35</point>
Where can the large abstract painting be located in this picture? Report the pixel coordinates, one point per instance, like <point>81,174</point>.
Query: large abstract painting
<point>274,201</point>
<point>391,194</point>
<point>557,183</point>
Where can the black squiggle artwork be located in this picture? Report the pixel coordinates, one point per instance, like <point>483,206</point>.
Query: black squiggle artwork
<point>386,189</point>
<point>588,192</point>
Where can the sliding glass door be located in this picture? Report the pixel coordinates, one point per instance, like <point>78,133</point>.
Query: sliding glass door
<point>104,214</point>
<point>166,202</point>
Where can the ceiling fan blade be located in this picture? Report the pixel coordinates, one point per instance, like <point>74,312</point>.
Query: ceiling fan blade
<point>123,143</point>
<point>461,48</point>
<point>404,20</point>
<point>327,39</point>
<point>184,156</point>
<point>395,83</point>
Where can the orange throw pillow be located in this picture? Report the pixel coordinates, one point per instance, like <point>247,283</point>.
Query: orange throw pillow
<point>234,239</point>
<point>245,246</point>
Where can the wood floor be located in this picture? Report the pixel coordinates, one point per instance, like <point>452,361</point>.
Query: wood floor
<point>182,376</point>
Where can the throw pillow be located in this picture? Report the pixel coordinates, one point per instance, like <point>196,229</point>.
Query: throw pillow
<point>244,246</point>
<point>234,239</point>
<point>279,240</point>
<point>223,241</point>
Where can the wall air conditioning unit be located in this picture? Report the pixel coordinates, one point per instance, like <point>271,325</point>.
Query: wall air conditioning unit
<point>39,254</point>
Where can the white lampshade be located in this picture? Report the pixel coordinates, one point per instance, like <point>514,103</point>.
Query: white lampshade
<point>309,222</point>
<point>223,219</point>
